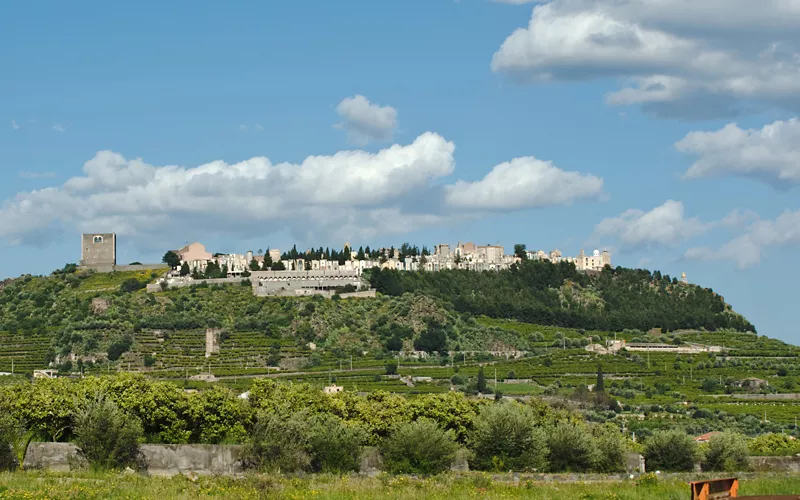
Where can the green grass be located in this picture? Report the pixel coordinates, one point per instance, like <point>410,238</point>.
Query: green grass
<point>40,485</point>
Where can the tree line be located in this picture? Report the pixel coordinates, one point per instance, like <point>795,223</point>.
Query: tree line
<point>546,293</point>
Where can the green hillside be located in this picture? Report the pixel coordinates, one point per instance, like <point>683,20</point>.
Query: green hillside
<point>80,322</point>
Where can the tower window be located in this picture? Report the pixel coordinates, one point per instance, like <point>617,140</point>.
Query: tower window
<point>98,239</point>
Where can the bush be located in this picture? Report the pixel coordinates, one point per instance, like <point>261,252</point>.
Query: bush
<point>131,285</point>
<point>391,368</point>
<point>335,445</point>
<point>504,437</point>
<point>277,444</point>
<point>420,447</point>
<point>571,448</point>
<point>611,449</point>
<point>726,452</point>
<point>106,436</point>
<point>774,445</point>
<point>7,428</point>
<point>672,451</point>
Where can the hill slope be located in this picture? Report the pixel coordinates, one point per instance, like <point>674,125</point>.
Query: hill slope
<point>101,316</point>
<point>548,294</point>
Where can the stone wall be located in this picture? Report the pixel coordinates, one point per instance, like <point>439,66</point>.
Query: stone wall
<point>166,459</point>
<point>776,464</point>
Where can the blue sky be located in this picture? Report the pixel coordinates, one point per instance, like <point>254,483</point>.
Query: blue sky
<point>653,128</point>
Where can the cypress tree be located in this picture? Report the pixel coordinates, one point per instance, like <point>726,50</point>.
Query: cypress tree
<point>481,380</point>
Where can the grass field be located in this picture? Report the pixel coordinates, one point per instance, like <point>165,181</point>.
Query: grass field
<point>36,485</point>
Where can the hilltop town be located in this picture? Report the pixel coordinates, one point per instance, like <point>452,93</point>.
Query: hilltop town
<point>99,252</point>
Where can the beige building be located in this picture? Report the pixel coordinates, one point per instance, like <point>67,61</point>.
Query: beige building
<point>194,252</point>
<point>491,254</point>
<point>595,262</point>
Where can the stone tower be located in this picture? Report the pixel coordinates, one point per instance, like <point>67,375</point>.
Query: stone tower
<point>99,251</point>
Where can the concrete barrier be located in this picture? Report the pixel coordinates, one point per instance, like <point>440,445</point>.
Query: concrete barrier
<point>161,459</point>
<point>775,464</point>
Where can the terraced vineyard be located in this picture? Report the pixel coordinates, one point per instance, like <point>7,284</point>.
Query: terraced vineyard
<point>86,323</point>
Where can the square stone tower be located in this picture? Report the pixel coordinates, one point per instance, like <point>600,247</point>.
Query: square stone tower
<point>99,250</point>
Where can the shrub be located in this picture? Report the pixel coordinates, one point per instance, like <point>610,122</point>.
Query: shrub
<point>504,437</point>
<point>106,436</point>
<point>335,445</point>
<point>391,368</point>
<point>7,429</point>
<point>726,452</point>
<point>131,285</point>
<point>670,451</point>
<point>774,445</point>
<point>277,444</point>
<point>611,449</point>
<point>571,448</point>
<point>420,447</point>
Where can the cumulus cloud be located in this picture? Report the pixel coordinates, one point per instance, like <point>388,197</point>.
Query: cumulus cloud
<point>677,57</point>
<point>770,153</point>
<point>14,125</point>
<point>347,191</point>
<point>57,127</point>
<point>745,250</point>
<point>350,194</point>
<point>365,121</point>
<point>523,183</point>
<point>665,225</point>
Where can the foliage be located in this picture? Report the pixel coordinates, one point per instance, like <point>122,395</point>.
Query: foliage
<point>131,285</point>
<point>571,448</point>
<point>671,451</point>
<point>277,444</point>
<point>335,445</point>
<point>725,452</point>
<point>420,447</point>
<point>481,384</point>
<point>505,438</point>
<point>106,436</point>
<point>774,445</point>
<point>557,294</point>
<point>172,259</point>
<point>611,448</point>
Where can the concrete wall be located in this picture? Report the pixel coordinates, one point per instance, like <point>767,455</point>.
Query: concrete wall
<point>775,464</point>
<point>165,459</point>
<point>172,459</point>
<point>142,267</point>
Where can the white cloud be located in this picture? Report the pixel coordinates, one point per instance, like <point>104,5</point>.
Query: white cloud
<point>14,125</point>
<point>37,175</point>
<point>348,191</point>
<point>665,225</point>
<point>746,249</point>
<point>58,128</point>
<point>678,57</point>
<point>770,153</point>
<point>523,183</point>
<point>243,128</point>
<point>259,127</point>
<point>365,121</point>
